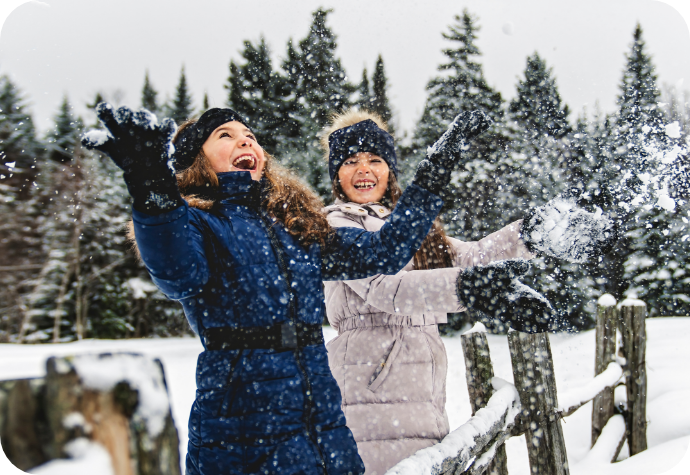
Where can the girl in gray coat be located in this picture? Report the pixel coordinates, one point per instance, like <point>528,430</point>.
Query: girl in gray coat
<point>388,357</point>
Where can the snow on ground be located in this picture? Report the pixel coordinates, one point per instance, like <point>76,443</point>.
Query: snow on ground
<point>668,400</point>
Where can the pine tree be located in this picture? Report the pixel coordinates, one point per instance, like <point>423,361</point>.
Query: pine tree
<point>205,103</point>
<point>148,95</point>
<point>538,154</point>
<point>82,288</point>
<point>651,261</point>
<point>20,243</point>
<point>461,86</point>
<point>538,107</point>
<point>538,161</point>
<point>639,97</point>
<point>293,116</point>
<point>181,108</point>
<point>380,103</point>
<point>364,100</point>
<point>18,144</point>
<point>319,87</point>
<point>64,136</point>
<point>321,79</point>
<point>256,92</point>
<point>638,124</point>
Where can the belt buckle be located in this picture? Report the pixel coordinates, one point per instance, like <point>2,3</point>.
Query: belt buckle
<point>288,332</point>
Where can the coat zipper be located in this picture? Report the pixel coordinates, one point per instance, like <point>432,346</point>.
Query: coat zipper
<point>278,248</point>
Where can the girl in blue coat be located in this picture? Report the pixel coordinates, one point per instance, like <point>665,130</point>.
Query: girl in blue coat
<point>245,253</point>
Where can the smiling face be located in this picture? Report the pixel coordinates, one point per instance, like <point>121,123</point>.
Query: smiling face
<point>232,147</point>
<point>364,177</point>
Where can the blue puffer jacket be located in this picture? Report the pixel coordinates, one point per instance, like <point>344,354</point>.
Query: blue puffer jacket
<point>267,411</point>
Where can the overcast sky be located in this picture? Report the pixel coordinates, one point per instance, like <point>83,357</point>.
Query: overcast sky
<point>78,47</point>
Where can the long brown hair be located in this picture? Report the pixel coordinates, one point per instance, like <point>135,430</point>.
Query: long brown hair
<point>436,250</point>
<point>285,198</point>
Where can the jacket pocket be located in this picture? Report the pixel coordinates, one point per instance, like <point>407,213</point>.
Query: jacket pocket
<point>381,372</point>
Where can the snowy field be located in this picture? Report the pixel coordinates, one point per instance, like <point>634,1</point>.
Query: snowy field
<point>668,400</point>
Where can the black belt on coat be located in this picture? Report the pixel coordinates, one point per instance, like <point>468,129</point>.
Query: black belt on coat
<point>284,336</point>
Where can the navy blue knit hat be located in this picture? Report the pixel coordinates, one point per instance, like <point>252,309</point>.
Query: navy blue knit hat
<point>189,142</point>
<point>363,136</point>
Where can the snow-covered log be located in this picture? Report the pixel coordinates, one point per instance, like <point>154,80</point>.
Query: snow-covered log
<point>605,353</point>
<point>479,372</point>
<point>459,449</point>
<point>633,343</point>
<point>110,407</point>
<point>535,381</point>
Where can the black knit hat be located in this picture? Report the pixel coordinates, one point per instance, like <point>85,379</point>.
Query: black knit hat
<point>189,142</point>
<point>363,136</point>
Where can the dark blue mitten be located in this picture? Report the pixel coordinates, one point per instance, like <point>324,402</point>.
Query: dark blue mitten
<point>433,173</point>
<point>495,290</point>
<point>142,149</point>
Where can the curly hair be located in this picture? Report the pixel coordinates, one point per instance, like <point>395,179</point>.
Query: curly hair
<point>436,251</point>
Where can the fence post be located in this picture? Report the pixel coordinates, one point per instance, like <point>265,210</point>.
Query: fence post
<point>633,342</point>
<point>534,379</point>
<point>479,372</point>
<point>607,322</point>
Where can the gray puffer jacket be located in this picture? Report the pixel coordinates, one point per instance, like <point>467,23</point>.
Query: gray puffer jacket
<point>388,357</point>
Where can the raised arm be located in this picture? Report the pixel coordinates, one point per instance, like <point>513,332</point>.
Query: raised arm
<point>417,292</point>
<point>414,293</point>
<point>500,245</point>
<point>354,253</point>
<point>172,249</point>
<point>169,245</point>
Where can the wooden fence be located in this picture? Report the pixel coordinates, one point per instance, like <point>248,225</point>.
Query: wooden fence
<point>530,406</point>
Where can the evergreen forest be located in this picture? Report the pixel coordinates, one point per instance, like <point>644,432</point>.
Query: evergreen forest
<point>67,271</point>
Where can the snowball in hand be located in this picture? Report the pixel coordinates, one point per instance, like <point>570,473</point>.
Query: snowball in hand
<point>564,230</point>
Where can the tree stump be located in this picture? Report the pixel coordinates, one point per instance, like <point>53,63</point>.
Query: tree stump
<point>633,342</point>
<point>117,401</point>
<point>534,378</point>
<point>605,353</point>
<point>23,429</point>
<point>479,371</point>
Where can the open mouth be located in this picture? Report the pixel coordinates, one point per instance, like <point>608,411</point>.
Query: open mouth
<point>244,162</point>
<point>365,185</point>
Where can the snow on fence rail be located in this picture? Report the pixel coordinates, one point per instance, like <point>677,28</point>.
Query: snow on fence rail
<point>501,410</point>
